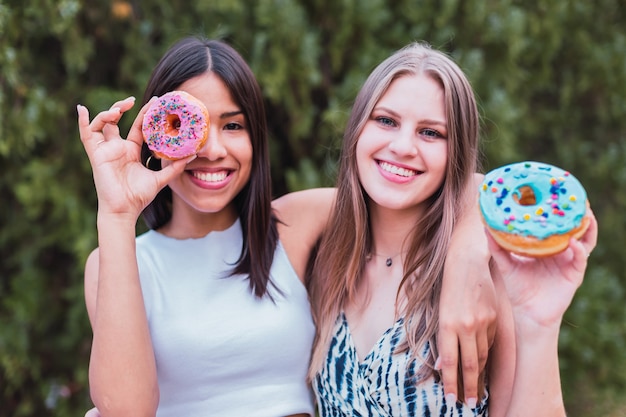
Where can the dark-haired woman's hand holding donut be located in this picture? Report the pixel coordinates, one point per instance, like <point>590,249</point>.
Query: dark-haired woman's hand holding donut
<point>123,184</point>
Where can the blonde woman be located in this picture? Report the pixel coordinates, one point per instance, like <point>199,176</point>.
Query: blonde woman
<point>409,153</point>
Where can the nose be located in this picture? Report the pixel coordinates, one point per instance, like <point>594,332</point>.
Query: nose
<point>404,143</point>
<point>213,149</point>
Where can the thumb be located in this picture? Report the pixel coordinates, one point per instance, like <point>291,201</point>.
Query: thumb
<point>168,173</point>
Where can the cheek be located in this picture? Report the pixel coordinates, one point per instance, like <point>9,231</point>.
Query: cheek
<point>363,159</point>
<point>442,165</point>
<point>366,146</point>
<point>436,156</point>
<point>245,156</point>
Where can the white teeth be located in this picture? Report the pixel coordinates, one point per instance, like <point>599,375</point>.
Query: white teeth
<point>210,176</point>
<point>397,170</point>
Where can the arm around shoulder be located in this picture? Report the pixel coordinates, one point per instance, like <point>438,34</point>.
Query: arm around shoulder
<point>302,218</point>
<point>468,303</point>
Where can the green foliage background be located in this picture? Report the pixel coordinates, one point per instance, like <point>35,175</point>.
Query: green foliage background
<point>550,77</point>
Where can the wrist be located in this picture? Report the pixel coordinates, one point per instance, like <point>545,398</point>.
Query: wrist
<point>532,328</point>
<point>107,221</point>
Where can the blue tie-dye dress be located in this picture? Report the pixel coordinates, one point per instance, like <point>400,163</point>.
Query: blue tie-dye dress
<point>383,384</point>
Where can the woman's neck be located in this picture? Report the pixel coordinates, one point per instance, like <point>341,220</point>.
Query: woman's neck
<point>187,223</point>
<point>390,230</point>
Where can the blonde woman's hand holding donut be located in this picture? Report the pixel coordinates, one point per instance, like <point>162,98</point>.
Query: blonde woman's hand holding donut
<point>541,289</point>
<point>123,184</point>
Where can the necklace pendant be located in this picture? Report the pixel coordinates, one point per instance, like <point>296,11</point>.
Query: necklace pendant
<point>388,262</point>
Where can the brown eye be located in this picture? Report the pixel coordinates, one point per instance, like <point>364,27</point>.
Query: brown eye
<point>233,126</point>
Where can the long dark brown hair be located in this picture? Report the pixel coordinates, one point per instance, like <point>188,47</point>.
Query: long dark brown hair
<point>194,56</point>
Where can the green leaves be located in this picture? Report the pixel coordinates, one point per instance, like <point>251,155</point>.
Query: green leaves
<point>550,78</point>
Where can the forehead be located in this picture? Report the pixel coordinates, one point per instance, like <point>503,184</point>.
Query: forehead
<point>414,85</point>
<point>415,92</point>
<point>211,90</point>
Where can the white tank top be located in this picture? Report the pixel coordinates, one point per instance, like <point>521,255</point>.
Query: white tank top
<point>220,351</point>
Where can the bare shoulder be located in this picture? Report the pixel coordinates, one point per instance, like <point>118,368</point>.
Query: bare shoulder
<point>302,218</point>
<point>304,213</point>
<point>312,200</point>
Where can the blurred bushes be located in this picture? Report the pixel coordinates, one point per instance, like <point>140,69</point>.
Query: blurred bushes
<point>550,77</point>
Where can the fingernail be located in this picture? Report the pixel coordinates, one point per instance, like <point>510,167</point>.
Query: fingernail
<point>191,158</point>
<point>438,364</point>
<point>471,402</point>
<point>451,398</point>
<point>131,98</point>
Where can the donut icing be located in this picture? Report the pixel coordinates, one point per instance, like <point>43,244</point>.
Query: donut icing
<point>532,199</point>
<point>176,125</point>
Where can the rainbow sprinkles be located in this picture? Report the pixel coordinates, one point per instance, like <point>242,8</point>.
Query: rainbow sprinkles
<point>175,126</point>
<point>532,199</point>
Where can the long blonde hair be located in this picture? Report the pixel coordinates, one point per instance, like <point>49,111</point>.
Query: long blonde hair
<point>340,261</point>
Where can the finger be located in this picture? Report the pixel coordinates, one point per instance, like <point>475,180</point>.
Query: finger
<point>579,249</point>
<point>469,366</point>
<point>111,129</point>
<point>448,362</point>
<point>580,256</point>
<point>135,134</point>
<point>484,340</point>
<point>83,123</point>
<point>590,238</point>
<point>88,137</point>
<point>113,115</point>
<point>471,384</point>
<point>104,117</point>
<point>124,105</point>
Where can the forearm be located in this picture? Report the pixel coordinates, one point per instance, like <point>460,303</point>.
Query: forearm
<point>468,234</point>
<point>122,369</point>
<point>540,291</point>
<point>537,384</point>
<point>468,305</point>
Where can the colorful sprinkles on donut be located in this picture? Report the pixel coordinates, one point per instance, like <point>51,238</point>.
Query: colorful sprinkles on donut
<point>532,199</point>
<point>175,126</point>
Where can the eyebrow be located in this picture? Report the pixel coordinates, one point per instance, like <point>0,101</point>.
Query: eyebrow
<point>434,122</point>
<point>230,114</point>
<point>426,121</point>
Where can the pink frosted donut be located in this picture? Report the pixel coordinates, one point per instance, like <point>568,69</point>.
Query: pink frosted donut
<point>176,125</point>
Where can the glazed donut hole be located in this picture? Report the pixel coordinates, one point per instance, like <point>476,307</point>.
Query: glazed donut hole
<point>526,195</point>
<point>175,126</point>
<point>172,127</point>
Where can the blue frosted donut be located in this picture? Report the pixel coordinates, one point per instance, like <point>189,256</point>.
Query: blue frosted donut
<point>532,208</point>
